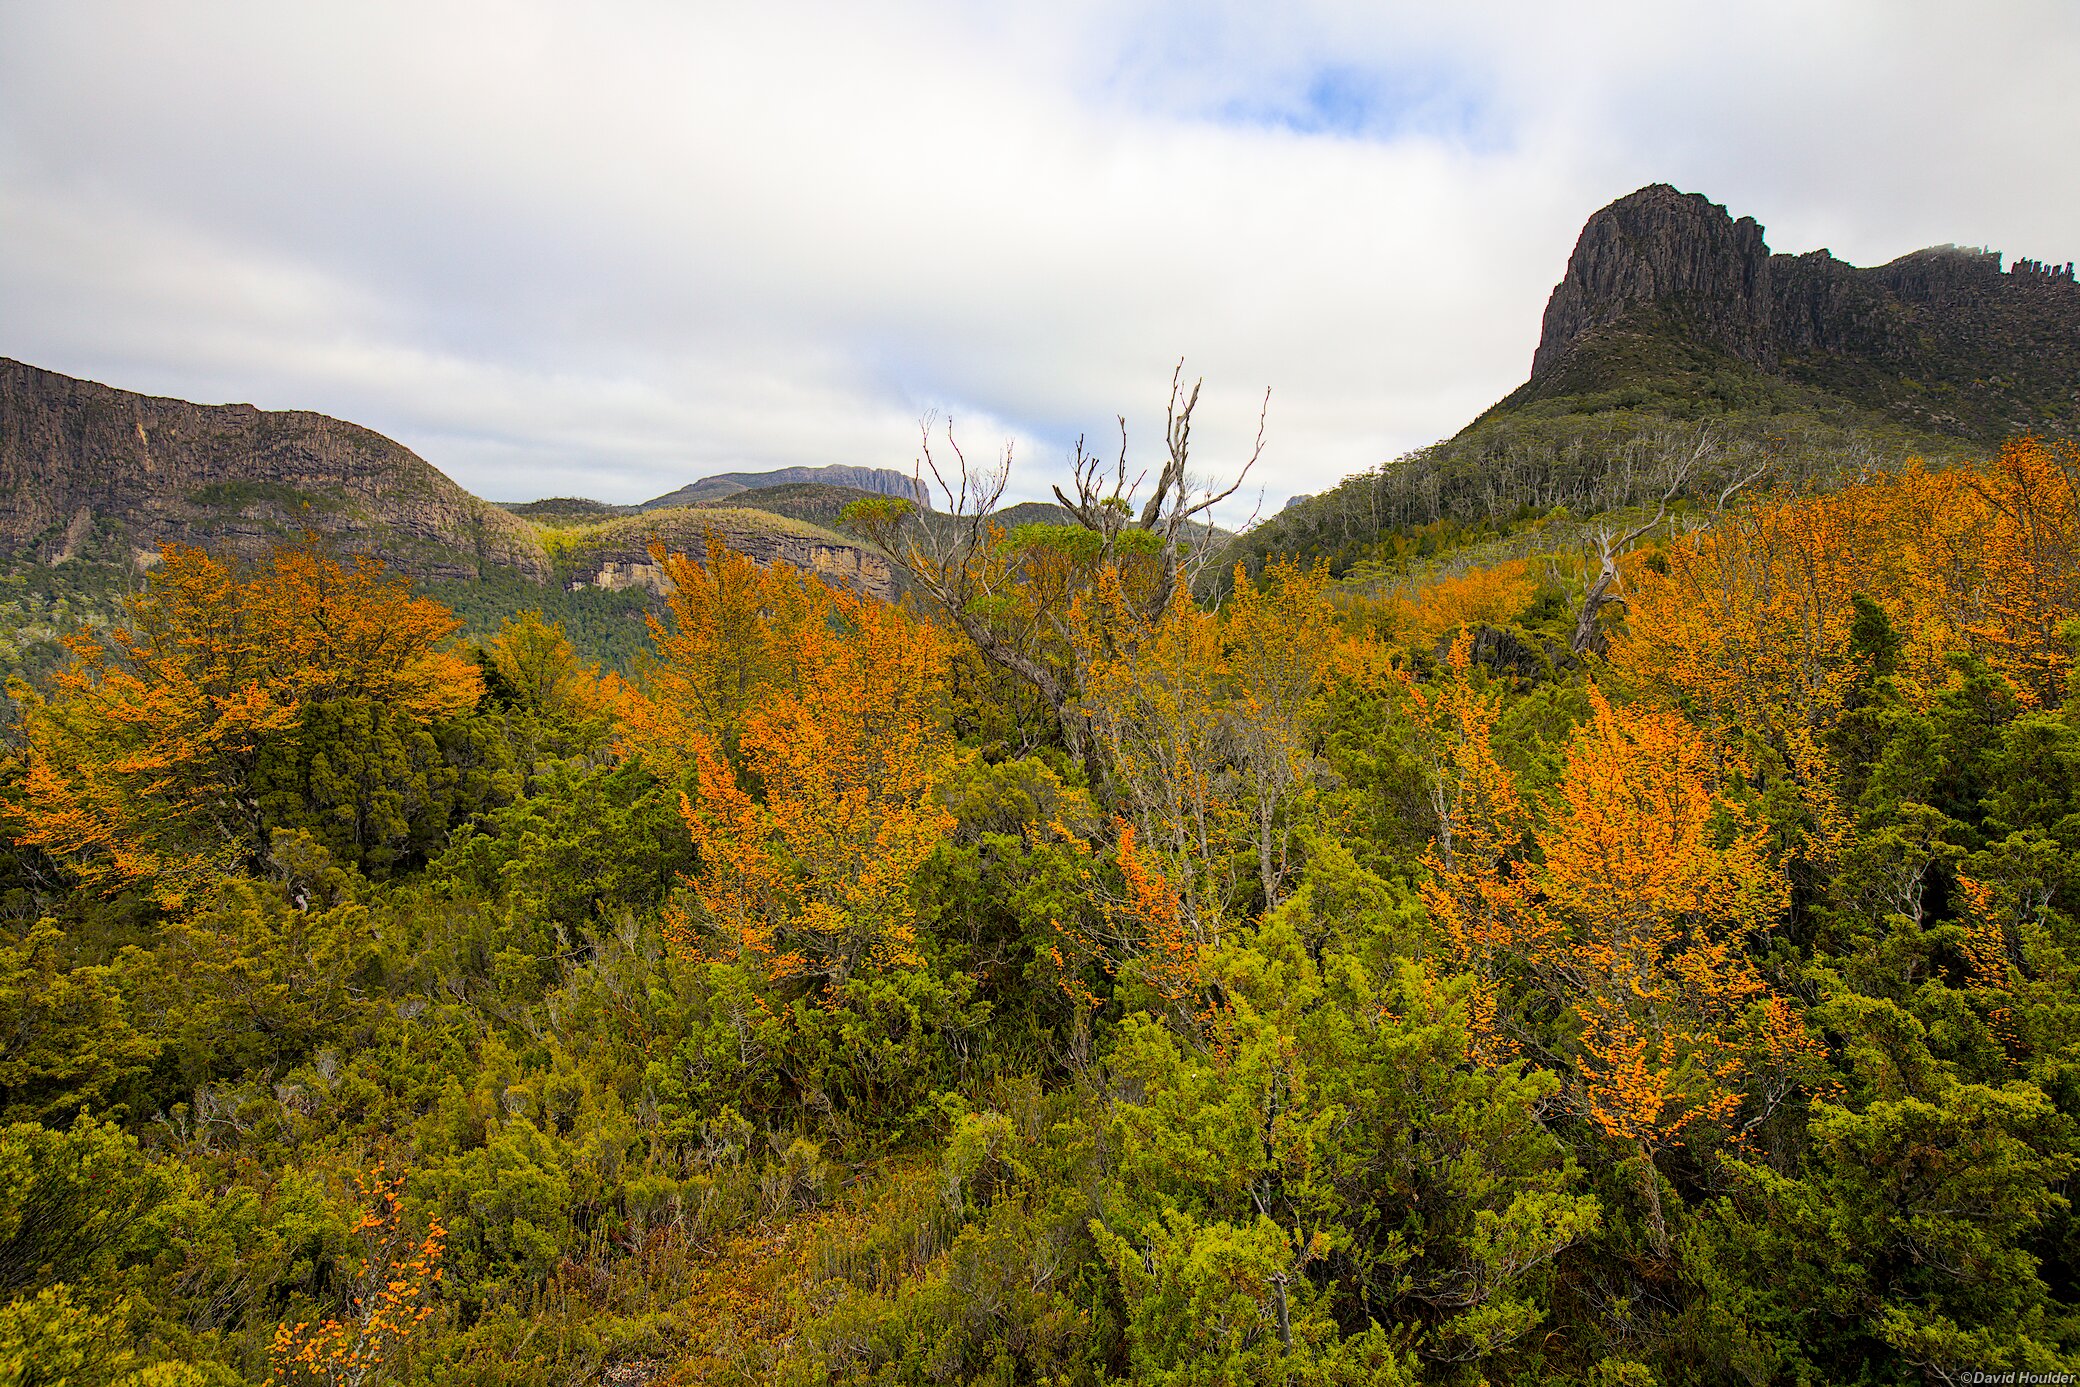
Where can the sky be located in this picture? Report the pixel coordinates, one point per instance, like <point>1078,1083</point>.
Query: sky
<point>604,249</point>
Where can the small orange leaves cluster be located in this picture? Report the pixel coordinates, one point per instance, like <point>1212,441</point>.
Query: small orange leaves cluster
<point>1647,888</point>
<point>1154,697</point>
<point>392,1295</point>
<point>538,663</point>
<point>1987,928</point>
<point>2015,975</point>
<point>1626,902</point>
<point>138,766</point>
<point>730,638</point>
<point>2028,583</point>
<point>1207,721</point>
<point>1426,612</point>
<point>1144,930</point>
<point>1751,627</point>
<point>810,720</point>
<point>1285,653</point>
<point>1480,823</point>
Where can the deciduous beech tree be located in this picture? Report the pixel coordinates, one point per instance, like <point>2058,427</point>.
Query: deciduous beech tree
<point>390,1294</point>
<point>1753,625</point>
<point>2031,565</point>
<point>1284,649</point>
<point>1155,698</point>
<point>1479,824</point>
<point>1636,913</point>
<point>1011,591</point>
<point>139,766</point>
<point>1625,908</point>
<point>811,720</point>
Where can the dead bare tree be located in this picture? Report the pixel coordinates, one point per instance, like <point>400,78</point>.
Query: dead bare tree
<point>1611,546</point>
<point>958,558</point>
<point>1104,505</point>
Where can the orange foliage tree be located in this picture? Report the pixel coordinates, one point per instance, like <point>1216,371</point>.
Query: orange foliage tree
<point>1646,888</point>
<point>1140,932</point>
<point>390,1295</point>
<point>1208,724</point>
<point>1751,627</point>
<point>1284,652</point>
<point>1424,612</point>
<point>810,720</point>
<point>139,766</point>
<point>1624,908</point>
<point>2031,574</point>
<point>1480,821</point>
<point>1154,695</point>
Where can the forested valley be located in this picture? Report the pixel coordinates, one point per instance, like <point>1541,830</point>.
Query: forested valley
<point>1654,961</point>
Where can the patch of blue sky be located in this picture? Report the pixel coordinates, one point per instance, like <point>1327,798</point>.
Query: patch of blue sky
<point>1365,103</point>
<point>1242,69</point>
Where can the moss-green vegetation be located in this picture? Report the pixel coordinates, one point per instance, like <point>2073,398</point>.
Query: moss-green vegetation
<point>1155,1074</point>
<point>239,495</point>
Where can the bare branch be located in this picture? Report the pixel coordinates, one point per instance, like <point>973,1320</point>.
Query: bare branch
<point>1739,485</point>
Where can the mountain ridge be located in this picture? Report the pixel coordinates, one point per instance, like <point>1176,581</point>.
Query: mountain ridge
<point>82,461</point>
<point>1941,339</point>
<point>1674,332</point>
<point>879,481</point>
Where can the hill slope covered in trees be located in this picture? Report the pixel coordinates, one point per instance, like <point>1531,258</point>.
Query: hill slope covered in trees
<point>1318,990</point>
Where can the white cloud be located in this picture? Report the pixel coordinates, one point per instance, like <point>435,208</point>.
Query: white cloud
<point>607,248</point>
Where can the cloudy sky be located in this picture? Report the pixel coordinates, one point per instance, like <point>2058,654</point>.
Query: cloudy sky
<point>606,248</point>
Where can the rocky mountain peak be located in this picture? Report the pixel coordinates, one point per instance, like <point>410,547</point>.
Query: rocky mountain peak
<point>1674,249</point>
<point>1942,340</point>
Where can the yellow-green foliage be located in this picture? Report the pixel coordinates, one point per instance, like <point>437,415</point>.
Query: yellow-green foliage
<point>1336,985</point>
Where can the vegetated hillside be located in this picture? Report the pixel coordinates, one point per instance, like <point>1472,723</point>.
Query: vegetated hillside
<point>818,503</point>
<point>1325,988</point>
<point>88,471</point>
<point>880,481</point>
<point>566,510</point>
<point>606,583</point>
<point>1676,335</point>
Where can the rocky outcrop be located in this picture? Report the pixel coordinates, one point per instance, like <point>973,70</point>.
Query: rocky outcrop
<point>618,555</point>
<point>881,481</point>
<point>1942,339</point>
<point>85,465</point>
<point>1674,250</point>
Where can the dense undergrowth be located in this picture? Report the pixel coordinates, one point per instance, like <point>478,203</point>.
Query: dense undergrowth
<point>1382,991</point>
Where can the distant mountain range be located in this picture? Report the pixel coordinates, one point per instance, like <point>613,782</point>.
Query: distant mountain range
<point>92,473</point>
<point>1673,326</point>
<point>880,481</point>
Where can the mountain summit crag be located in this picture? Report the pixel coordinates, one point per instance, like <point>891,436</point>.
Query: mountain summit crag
<point>1670,250</point>
<point>1941,339</point>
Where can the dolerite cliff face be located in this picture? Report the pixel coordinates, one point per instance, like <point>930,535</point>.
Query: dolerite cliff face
<point>1670,249</point>
<point>83,463</point>
<point>618,554</point>
<point>1941,340</point>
